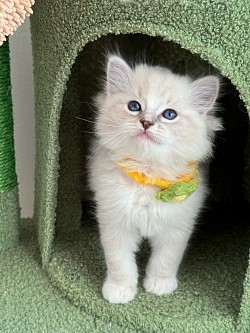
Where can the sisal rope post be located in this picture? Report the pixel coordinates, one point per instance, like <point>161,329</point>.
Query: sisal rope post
<point>7,154</point>
<point>9,200</point>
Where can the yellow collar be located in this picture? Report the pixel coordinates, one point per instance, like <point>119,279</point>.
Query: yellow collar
<point>170,191</point>
<point>143,179</point>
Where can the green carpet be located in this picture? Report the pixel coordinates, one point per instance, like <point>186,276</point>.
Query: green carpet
<point>28,301</point>
<point>208,299</point>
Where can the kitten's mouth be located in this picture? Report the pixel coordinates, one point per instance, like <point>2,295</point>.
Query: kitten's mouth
<point>145,135</point>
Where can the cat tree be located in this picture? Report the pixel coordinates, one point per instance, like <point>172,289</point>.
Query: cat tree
<point>69,40</point>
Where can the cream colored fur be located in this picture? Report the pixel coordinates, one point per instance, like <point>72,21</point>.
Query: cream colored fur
<point>128,211</point>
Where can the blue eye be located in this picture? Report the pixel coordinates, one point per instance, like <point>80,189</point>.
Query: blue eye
<point>169,114</point>
<point>134,106</point>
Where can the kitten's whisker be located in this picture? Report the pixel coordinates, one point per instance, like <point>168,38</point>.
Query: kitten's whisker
<point>107,133</point>
<point>89,132</point>
<point>87,120</point>
<point>116,134</point>
<point>97,150</point>
<point>108,140</point>
<point>88,103</point>
<point>122,134</point>
<point>93,110</point>
<point>117,142</point>
<point>93,122</point>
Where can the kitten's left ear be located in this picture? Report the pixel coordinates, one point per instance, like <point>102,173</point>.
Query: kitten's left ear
<point>204,93</point>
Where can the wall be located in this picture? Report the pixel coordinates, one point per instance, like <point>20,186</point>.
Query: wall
<point>23,106</point>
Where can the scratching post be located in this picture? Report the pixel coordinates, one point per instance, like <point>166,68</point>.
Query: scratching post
<point>9,201</point>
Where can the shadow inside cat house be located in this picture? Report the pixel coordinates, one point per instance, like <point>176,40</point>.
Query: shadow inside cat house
<point>219,246</point>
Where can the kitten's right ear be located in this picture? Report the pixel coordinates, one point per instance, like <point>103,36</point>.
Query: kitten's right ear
<point>118,74</point>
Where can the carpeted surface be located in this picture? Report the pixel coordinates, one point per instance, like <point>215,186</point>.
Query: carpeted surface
<point>9,219</point>
<point>208,299</point>
<point>28,301</point>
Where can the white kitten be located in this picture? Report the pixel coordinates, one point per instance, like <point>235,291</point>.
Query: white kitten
<point>155,123</point>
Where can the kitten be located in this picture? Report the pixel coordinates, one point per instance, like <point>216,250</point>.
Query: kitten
<point>156,124</point>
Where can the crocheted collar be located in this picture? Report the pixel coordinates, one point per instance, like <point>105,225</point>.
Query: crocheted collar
<point>171,191</point>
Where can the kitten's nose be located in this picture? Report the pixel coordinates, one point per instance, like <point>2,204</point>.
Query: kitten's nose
<point>145,123</point>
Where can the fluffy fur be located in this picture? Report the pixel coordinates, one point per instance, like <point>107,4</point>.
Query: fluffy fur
<point>128,211</point>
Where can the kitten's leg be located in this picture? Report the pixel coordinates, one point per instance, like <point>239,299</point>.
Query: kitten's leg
<point>119,246</point>
<point>167,253</point>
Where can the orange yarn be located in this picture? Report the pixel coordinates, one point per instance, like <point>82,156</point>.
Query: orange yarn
<point>143,179</point>
<point>12,15</point>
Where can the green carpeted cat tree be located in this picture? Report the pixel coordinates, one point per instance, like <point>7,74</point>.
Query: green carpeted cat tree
<point>70,39</point>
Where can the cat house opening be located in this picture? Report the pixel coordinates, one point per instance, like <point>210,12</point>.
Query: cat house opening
<point>219,247</point>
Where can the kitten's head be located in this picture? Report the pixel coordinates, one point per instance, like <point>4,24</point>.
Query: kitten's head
<point>149,113</point>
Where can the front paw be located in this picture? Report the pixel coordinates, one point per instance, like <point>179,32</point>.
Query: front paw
<point>160,286</point>
<point>118,293</point>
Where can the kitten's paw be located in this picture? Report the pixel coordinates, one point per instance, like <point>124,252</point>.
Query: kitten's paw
<point>160,286</point>
<point>118,293</point>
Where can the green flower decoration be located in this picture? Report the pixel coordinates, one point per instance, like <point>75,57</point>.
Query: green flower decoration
<point>179,191</point>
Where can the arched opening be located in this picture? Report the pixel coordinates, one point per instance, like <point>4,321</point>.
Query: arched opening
<point>219,247</point>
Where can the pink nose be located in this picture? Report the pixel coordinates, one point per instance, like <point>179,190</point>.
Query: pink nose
<point>145,123</point>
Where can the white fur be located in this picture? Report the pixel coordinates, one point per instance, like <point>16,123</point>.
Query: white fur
<point>128,211</point>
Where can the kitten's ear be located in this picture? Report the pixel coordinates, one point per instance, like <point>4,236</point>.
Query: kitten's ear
<point>204,93</point>
<point>118,74</point>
